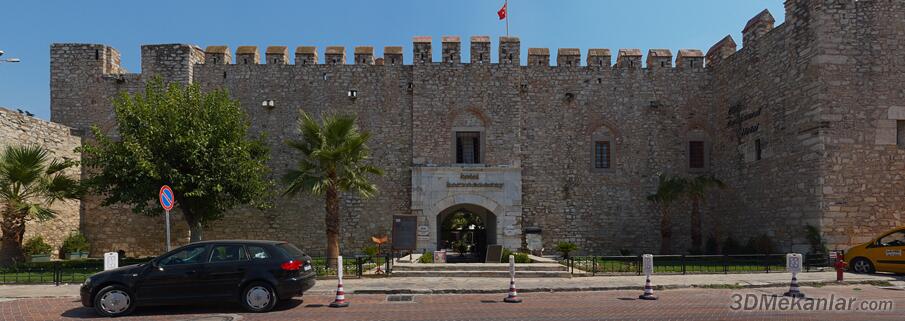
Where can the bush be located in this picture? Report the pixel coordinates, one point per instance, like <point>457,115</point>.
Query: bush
<point>519,257</point>
<point>36,246</point>
<point>710,247</point>
<point>427,257</point>
<point>761,244</point>
<point>731,246</point>
<point>815,240</point>
<point>75,242</point>
<point>565,248</point>
<point>370,250</point>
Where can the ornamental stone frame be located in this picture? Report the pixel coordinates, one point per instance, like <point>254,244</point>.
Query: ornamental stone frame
<point>496,189</point>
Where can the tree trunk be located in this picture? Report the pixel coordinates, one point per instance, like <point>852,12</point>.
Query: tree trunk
<point>13,229</point>
<point>695,226</point>
<point>196,231</point>
<point>332,223</point>
<point>665,231</point>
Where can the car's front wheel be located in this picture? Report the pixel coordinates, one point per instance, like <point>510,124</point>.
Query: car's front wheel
<point>862,265</point>
<point>259,297</point>
<point>114,301</point>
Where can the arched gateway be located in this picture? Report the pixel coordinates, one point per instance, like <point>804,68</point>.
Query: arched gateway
<point>480,205</point>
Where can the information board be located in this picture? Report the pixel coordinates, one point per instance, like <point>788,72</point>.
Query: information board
<point>793,262</point>
<point>647,261</point>
<point>405,232</point>
<point>494,254</point>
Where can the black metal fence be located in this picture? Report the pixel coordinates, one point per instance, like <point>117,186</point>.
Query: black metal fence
<point>76,271</point>
<point>355,266</point>
<point>689,264</point>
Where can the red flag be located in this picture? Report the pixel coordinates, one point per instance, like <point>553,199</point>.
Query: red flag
<point>502,12</point>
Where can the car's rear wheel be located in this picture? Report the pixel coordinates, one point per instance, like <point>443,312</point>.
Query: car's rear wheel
<point>259,297</point>
<point>862,265</point>
<point>114,301</point>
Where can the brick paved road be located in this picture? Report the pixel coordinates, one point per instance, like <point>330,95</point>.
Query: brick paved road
<point>680,304</point>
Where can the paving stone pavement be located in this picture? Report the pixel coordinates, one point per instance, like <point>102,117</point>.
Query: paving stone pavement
<point>674,304</point>
<point>500,285</point>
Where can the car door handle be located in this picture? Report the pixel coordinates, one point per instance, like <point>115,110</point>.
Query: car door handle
<point>192,272</point>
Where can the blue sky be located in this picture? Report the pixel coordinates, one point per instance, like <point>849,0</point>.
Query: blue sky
<point>27,28</point>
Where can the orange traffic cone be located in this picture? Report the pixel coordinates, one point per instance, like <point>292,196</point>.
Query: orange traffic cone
<point>648,291</point>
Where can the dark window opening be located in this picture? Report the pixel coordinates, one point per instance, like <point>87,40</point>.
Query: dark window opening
<point>468,147</point>
<point>245,61</point>
<point>696,154</point>
<point>602,154</point>
<point>97,54</point>
<point>900,133</point>
<point>662,64</point>
<point>757,149</point>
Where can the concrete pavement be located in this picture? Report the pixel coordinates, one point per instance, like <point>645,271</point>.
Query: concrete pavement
<point>429,285</point>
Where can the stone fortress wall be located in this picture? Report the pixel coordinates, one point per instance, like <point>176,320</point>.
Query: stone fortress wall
<point>18,128</point>
<point>788,93</point>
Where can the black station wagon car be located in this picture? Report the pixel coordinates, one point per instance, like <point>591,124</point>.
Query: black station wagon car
<point>257,274</point>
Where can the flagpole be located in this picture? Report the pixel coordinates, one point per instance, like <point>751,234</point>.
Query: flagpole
<point>507,18</point>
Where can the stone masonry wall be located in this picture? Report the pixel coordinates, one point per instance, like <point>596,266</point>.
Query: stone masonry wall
<point>19,129</point>
<point>862,65</point>
<point>794,92</point>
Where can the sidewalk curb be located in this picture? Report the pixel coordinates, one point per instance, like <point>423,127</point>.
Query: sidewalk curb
<point>606,288</point>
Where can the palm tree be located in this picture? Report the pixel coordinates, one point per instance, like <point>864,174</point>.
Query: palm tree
<point>696,190</point>
<point>333,161</point>
<point>669,190</point>
<point>30,182</point>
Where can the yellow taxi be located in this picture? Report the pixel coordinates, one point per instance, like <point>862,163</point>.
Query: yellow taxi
<point>885,253</point>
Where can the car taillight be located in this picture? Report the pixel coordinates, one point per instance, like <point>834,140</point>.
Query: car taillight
<point>291,265</point>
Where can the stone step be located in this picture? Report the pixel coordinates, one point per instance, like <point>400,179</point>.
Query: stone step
<point>482,274</point>
<point>490,267</point>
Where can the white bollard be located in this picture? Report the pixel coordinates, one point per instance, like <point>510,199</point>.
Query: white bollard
<point>340,301</point>
<point>513,295</point>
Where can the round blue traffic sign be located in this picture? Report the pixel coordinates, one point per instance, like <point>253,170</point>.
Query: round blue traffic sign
<point>166,198</point>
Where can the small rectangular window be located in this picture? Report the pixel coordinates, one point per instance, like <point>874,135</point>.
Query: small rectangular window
<point>468,147</point>
<point>602,154</point>
<point>900,133</point>
<point>757,149</point>
<point>696,154</point>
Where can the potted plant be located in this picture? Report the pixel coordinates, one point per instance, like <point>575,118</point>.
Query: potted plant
<point>75,246</point>
<point>37,250</point>
<point>565,248</point>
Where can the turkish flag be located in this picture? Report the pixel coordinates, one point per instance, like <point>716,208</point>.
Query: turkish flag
<point>502,12</point>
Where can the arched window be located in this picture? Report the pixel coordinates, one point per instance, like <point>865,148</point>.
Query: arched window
<point>468,138</point>
<point>603,144</point>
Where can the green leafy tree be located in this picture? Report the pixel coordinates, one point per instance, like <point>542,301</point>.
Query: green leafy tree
<point>196,142</point>
<point>30,183</point>
<point>565,248</point>
<point>696,190</point>
<point>333,159</point>
<point>669,190</point>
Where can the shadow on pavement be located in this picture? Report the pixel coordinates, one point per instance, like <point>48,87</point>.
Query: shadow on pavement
<point>212,308</point>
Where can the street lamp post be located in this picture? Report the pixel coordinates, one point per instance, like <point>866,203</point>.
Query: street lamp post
<point>8,60</point>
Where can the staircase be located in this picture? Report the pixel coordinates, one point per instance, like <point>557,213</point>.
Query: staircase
<point>489,270</point>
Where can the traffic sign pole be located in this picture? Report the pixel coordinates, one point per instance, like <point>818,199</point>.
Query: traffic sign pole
<point>167,200</point>
<point>168,231</point>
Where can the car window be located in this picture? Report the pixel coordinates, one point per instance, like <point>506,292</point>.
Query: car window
<point>257,253</point>
<point>190,255</point>
<point>290,250</point>
<point>895,239</point>
<point>227,253</point>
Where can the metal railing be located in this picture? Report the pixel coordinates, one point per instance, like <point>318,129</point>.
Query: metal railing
<point>63,272</point>
<point>688,264</point>
<point>354,266</point>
